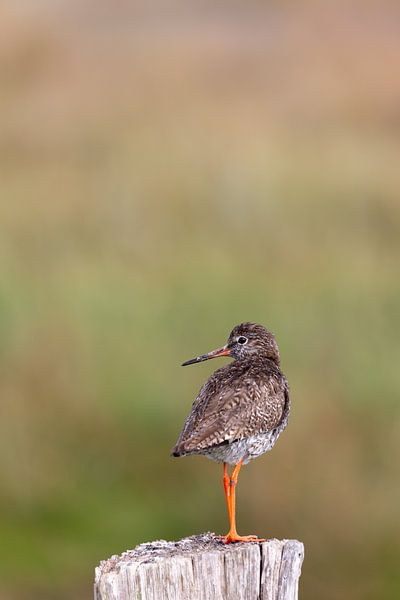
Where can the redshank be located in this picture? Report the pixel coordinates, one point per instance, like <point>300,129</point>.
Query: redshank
<point>240,411</point>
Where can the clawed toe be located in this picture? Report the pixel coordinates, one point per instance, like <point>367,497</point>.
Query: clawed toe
<point>235,538</point>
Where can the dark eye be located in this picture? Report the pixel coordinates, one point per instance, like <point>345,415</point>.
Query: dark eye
<point>242,340</point>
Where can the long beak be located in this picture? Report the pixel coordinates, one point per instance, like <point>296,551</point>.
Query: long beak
<point>224,351</point>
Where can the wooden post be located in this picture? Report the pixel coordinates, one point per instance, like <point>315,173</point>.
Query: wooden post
<point>202,568</point>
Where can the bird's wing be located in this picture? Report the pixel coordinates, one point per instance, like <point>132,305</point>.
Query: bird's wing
<point>224,411</point>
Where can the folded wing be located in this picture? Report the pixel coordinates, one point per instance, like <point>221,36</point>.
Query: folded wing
<point>225,411</point>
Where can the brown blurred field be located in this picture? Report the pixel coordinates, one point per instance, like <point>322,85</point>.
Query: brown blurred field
<point>168,172</point>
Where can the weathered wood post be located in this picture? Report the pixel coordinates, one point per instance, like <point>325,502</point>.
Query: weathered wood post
<point>202,568</point>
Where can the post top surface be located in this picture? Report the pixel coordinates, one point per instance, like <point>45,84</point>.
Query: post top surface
<point>151,552</point>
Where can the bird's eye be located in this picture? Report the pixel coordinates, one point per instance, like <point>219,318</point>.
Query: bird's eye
<point>242,340</point>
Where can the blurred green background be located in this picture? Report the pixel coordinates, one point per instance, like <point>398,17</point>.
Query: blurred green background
<point>167,172</point>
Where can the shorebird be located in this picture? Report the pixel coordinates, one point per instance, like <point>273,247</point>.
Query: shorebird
<point>240,411</point>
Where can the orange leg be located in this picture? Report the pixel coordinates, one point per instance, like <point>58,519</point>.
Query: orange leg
<point>230,493</point>
<point>227,488</point>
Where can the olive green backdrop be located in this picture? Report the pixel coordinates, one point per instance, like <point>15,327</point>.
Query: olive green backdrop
<point>167,172</point>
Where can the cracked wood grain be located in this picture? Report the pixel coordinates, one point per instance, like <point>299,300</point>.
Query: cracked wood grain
<point>202,568</point>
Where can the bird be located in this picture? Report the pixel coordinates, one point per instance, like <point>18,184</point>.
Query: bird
<point>240,411</point>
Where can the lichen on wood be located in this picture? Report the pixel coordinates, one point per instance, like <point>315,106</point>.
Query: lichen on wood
<point>202,568</point>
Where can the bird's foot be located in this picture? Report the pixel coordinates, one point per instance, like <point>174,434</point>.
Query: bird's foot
<point>232,538</point>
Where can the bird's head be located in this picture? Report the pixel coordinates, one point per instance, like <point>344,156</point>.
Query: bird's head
<point>245,340</point>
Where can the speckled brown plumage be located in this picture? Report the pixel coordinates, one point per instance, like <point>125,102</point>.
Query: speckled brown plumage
<point>240,411</point>
<point>246,399</point>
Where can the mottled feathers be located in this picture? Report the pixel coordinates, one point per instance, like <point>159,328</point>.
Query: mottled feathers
<point>247,399</point>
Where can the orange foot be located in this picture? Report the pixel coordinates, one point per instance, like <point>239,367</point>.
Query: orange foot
<point>232,538</point>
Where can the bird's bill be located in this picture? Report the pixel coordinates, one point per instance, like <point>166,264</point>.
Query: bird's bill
<point>224,351</point>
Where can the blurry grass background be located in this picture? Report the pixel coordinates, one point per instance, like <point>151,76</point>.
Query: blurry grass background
<point>168,172</point>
